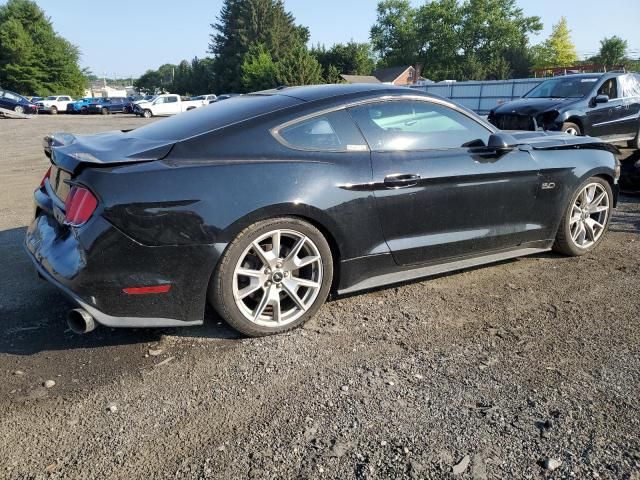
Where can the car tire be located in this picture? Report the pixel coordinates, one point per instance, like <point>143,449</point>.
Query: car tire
<point>147,113</point>
<point>19,109</point>
<point>126,110</point>
<point>293,287</point>
<point>84,110</point>
<point>579,216</point>
<point>105,111</point>
<point>571,129</point>
<point>54,110</point>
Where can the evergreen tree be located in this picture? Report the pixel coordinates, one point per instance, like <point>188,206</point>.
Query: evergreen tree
<point>299,67</point>
<point>33,58</point>
<point>558,50</point>
<point>351,58</point>
<point>259,71</point>
<point>244,23</point>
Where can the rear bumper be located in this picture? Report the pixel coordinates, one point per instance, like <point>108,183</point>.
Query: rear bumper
<point>104,318</point>
<point>94,263</point>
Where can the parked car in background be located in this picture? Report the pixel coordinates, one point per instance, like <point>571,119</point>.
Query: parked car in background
<point>595,104</point>
<point>17,103</point>
<point>224,96</point>
<point>169,104</point>
<point>80,106</point>
<point>135,105</point>
<point>35,99</point>
<point>105,106</point>
<point>266,203</point>
<point>54,104</point>
<point>210,98</point>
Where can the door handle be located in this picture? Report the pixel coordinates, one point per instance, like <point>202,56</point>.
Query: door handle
<point>401,180</point>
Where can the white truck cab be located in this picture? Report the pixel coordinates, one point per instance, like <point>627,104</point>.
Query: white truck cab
<point>54,104</point>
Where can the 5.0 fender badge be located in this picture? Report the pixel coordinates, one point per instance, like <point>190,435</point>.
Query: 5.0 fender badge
<point>548,185</point>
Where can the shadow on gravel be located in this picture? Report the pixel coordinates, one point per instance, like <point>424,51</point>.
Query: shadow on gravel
<point>33,312</point>
<point>626,218</point>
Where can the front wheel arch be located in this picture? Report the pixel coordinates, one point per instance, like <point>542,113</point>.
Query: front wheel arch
<point>577,122</point>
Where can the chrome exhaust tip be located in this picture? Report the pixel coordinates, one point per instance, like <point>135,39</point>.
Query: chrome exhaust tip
<point>80,321</point>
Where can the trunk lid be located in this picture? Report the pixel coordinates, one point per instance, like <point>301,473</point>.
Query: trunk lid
<point>70,152</point>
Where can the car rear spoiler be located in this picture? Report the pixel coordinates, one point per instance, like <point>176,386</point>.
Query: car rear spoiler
<point>108,149</point>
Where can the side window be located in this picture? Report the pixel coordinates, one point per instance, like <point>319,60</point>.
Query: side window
<point>160,100</point>
<point>629,85</point>
<point>610,88</point>
<point>172,99</point>
<point>417,125</point>
<point>334,131</point>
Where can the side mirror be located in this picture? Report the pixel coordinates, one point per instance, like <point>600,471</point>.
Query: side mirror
<point>501,142</point>
<point>601,99</point>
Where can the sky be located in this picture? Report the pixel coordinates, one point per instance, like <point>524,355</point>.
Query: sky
<point>124,38</point>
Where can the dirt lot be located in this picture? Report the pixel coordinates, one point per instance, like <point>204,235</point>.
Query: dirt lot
<point>497,372</point>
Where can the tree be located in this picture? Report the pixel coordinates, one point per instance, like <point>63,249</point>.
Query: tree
<point>395,35</point>
<point>350,58</point>
<point>299,67</point>
<point>259,71</point>
<point>244,23</point>
<point>612,51</point>
<point>558,50</point>
<point>186,78</point>
<point>472,39</point>
<point>34,59</point>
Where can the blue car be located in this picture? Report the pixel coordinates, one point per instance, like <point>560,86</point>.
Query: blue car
<point>17,103</point>
<point>105,106</point>
<point>80,106</point>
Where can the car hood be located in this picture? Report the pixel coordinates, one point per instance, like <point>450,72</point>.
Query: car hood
<point>70,152</point>
<point>533,106</point>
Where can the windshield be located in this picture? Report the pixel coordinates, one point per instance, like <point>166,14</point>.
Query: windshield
<point>564,87</point>
<point>51,98</point>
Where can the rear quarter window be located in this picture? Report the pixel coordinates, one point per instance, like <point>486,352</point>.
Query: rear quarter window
<point>334,131</point>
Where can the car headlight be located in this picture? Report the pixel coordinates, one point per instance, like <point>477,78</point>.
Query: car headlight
<point>547,118</point>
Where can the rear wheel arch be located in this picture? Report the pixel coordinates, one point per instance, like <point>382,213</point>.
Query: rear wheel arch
<point>314,219</point>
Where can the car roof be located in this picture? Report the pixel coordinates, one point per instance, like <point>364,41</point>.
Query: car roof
<point>312,93</point>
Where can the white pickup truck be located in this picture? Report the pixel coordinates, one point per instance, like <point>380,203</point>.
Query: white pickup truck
<point>168,104</point>
<point>54,104</point>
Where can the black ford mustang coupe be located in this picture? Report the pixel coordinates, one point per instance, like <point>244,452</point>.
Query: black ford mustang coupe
<point>267,203</point>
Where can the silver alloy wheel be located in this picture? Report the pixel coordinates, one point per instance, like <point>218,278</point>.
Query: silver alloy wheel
<point>589,215</point>
<point>277,278</point>
<point>571,131</point>
<point>18,109</point>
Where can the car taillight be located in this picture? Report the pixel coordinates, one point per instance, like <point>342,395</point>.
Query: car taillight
<point>79,206</point>
<point>46,175</point>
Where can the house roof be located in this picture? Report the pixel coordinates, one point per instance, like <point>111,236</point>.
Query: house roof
<point>360,79</point>
<point>387,75</point>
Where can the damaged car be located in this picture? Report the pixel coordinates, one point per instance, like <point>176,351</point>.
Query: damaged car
<point>606,106</point>
<point>266,204</point>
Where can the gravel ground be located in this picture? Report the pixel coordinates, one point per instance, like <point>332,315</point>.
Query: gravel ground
<point>525,369</point>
